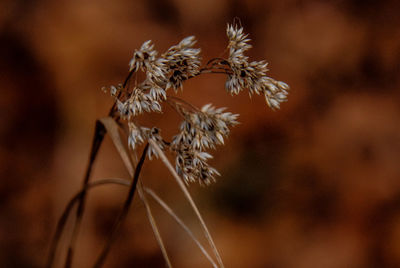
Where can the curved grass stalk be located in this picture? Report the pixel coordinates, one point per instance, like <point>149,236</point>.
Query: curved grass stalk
<point>180,222</point>
<point>113,130</point>
<point>190,200</point>
<point>63,219</point>
<point>98,138</point>
<point>123,182</point>
<point>153,224</point>
<point>100,261</point>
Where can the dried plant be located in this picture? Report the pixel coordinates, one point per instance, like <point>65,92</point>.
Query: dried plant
<point>201,129</point>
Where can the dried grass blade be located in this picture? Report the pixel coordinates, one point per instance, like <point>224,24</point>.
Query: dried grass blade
<point>98,137</point>
<point>63,219</point>
<point>180,222</point>
<point>153,224</point>
<point>124,212</point>
<point>113,130</point>
<point>189,198</point>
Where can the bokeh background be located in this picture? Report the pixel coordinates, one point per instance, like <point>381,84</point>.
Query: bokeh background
<point>316,184</point>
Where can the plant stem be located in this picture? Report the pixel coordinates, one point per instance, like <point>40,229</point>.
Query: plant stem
<point>180,222</point>
<point>63,219</point>
<point>100,261</point>
<point>153,224</point>
<point>98,138</point>
<point>128,77</point>
<point>190,200</point>
<point>99,134</point>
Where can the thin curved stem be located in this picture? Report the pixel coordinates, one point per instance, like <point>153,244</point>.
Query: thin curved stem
<point>222,61</point>
<point>98,138</point>
<point>177,103</point>
<point>190,200</point>
<point>180,222</point>
<point>216,72</point>
<point>63,219</point>
<point>100,260</point>
<point>128,78</point>
<point>99,134</point>
<point>153,224</point>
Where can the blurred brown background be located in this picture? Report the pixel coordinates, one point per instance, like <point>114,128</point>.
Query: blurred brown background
<point>316,184</point>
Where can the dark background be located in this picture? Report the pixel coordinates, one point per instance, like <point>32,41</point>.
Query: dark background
<point>316,184</point>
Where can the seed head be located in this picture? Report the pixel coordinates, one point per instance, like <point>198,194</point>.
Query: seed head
<point>143,57</point>
<point>201,129</point>
<point>183,62</point>
<point>251,75</point>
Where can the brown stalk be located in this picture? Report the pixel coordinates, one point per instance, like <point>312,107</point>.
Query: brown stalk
<point>100,260</point>
<point>189,199</point>
<point>98,138</point>
<point>63,219</point>
<point>113,130</point>
<point>99,134</point>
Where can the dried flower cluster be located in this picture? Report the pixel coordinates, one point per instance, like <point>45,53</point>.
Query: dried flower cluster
<point>201,129</point>
<point>251,75</point>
